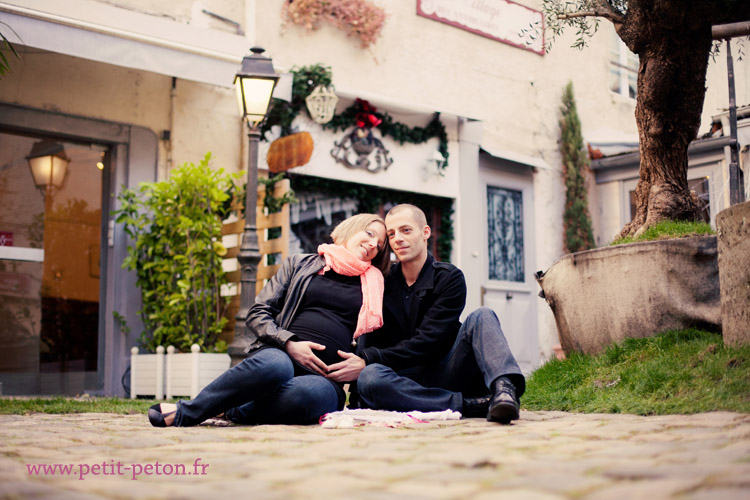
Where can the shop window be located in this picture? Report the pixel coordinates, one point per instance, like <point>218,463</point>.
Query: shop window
<point>323,203</point>
<point>49,265</point>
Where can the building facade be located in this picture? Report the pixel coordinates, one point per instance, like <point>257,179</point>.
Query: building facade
<point>131,89</point>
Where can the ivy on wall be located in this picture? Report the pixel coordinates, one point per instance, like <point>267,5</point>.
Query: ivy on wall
<point>373,199</point>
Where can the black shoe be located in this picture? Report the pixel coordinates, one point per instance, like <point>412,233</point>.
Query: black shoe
<point>475,407</point>
<point>504,405</point>
<point>156,417</point>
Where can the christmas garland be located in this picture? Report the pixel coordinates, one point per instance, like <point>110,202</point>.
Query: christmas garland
<point>384,122</point>
<point>283,113</point>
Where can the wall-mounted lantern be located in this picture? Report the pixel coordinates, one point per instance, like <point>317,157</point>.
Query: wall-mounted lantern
<point>48,163</point>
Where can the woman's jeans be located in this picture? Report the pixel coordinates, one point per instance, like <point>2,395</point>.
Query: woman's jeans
<point>263,389</point>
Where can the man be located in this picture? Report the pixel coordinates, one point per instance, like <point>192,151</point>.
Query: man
<point>423,358</point>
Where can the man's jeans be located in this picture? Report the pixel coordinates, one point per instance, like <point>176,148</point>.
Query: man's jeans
<point>262,389</point>
<point>478,357</point>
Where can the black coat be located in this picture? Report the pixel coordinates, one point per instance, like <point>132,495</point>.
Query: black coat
<point>426,336</point>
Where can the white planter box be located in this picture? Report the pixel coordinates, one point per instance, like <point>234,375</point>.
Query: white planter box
<point>174,374</point>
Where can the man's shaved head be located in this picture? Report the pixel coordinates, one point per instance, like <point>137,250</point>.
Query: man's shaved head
<point>416,213</point>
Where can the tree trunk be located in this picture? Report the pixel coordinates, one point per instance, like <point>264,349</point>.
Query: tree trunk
<point>671,89</point>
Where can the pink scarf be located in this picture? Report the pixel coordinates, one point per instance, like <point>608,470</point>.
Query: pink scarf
<point>342,261</point>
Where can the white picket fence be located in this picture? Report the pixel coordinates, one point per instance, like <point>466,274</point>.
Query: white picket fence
<point>174,374</point>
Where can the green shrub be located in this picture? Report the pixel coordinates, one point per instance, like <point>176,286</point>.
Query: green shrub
<point>175,226</point>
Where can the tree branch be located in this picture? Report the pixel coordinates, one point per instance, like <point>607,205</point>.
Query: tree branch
<point>611,16</point>
<point>602,9</point>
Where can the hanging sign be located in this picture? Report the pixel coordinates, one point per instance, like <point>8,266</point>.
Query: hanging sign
<point>289,152</point>
<point>501,20</point>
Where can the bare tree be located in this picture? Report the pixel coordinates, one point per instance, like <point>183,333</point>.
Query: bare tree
<point>672,39</point>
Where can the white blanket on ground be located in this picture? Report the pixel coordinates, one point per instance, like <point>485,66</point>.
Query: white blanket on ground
<point>347,419</point>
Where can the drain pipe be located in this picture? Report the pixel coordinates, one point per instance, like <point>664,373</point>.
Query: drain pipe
<point>167,134</point>
<point>736,183</point>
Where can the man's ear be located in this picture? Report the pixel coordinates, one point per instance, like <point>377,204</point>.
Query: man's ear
<point>426,232</point>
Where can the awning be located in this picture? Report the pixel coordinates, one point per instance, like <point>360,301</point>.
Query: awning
<point>100,32</point>
<point>514,157</point>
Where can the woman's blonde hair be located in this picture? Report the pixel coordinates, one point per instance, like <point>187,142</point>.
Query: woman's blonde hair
<point>356,223</point>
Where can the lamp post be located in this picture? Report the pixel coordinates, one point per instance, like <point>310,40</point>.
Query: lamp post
<point>254,83</point>
<point>736,181</point>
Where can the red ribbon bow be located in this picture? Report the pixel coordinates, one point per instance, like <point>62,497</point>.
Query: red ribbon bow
<point>366,117</point>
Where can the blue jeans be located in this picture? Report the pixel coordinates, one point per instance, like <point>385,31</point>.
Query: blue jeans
<point>263,389</point>
<point>478,357</point>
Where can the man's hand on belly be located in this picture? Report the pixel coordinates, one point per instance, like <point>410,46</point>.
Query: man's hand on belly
<point>347,370</point>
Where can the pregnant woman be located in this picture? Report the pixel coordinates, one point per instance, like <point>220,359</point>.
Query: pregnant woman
<point>305,319</point>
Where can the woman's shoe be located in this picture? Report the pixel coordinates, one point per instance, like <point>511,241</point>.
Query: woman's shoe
<point>156,417</point>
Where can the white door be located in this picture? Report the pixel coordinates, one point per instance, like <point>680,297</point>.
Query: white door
<point>509,287</point>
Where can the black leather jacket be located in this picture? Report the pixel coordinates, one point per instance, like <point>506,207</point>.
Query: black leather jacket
<point>275,306</point>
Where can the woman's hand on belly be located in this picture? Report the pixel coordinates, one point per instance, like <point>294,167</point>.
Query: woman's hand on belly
<point>302,353</point>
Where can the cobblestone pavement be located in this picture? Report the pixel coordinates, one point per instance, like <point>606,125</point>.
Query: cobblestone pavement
<point>545,455</point>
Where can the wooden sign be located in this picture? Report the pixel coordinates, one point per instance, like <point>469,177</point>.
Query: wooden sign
<point>289,151</point>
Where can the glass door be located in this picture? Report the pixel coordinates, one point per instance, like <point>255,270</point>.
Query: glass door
<point>509,288</point>
<point>50,248</point>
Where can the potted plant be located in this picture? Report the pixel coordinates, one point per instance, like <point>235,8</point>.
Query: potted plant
<point>665,279</point>
<point>176,253</point>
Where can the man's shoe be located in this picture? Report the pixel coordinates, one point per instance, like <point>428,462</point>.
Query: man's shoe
<point>475,407</point>
<point>503,407</point>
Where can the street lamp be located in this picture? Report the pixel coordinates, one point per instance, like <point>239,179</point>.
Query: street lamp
<point>254,82</point>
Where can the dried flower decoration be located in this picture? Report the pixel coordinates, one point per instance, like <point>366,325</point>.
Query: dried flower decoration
<point>358,18</point>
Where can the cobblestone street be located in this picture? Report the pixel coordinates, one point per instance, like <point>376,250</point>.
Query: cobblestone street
<point>546,455</point>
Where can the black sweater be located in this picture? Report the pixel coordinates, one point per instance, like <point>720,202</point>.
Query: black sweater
<point>424,337</point>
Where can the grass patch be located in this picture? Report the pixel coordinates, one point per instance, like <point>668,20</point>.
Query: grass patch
<point>677,372</point>
<point>60,404</point>
<point>668,229</point>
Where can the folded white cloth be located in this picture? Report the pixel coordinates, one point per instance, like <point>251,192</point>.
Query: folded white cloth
<point>347,418</point>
